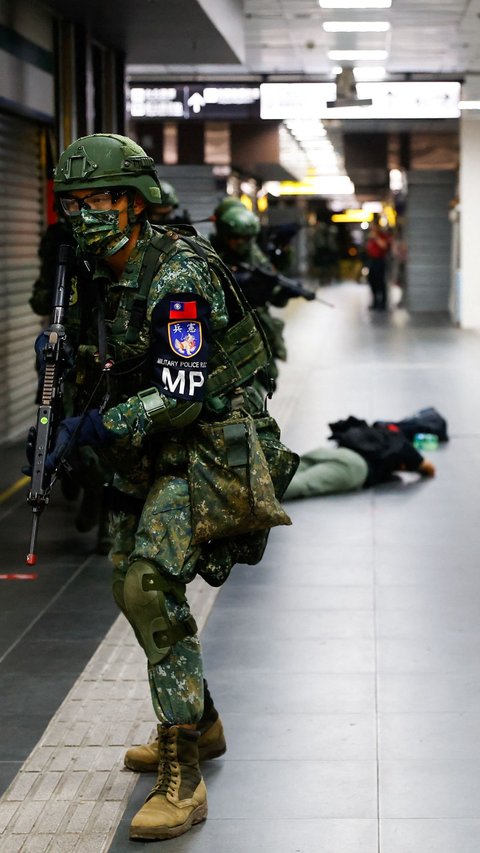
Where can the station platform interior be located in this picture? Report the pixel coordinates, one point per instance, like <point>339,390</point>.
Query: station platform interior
<point>344,666</point>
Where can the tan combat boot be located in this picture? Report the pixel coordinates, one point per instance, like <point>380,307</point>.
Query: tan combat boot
<point>211,743</point>
<point>179,798</point>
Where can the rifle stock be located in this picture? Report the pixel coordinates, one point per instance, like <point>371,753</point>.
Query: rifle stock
<point>49,410</point>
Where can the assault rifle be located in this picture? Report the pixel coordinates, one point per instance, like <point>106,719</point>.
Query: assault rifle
<point>258,285</point>
<point>50,408</point>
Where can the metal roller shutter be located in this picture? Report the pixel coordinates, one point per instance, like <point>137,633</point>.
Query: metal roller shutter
<point>429,239</point>
<point>21,224</point>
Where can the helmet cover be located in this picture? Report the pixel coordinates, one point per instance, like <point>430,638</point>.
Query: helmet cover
<point>237,221</point>
<point>104,160</point>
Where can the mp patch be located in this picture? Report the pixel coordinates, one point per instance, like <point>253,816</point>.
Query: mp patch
<point>180,344</point>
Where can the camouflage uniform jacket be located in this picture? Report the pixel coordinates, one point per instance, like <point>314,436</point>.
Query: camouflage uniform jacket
<point>184,289</point>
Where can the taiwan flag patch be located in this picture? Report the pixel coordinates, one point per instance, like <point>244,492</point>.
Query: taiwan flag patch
<point>183,310</point>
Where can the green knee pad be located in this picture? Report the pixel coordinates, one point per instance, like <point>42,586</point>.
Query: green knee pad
<point>118,581</point>
<point>144,595</point>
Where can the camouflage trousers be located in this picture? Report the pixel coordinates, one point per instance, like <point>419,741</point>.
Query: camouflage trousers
<point>160,532</point>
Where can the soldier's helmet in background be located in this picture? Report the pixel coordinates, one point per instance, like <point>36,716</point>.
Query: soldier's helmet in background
<point>237,221</point>
<point>226,204</point>
<point>169,196</point>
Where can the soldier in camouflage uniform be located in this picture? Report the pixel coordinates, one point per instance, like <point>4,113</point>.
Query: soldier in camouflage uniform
<point>150,366</point>
<point>165,213</point>
<point>235,242</point>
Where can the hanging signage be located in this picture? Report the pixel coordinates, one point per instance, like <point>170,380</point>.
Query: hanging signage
<point>389,100</point>
<point>194,101</point>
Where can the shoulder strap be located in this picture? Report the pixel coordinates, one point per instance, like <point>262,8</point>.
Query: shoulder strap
<point>159,244</point>
<point>204,250</point>
<point>248,316</point>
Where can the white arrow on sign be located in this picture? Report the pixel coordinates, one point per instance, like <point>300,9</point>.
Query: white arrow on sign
<point>196,102</point>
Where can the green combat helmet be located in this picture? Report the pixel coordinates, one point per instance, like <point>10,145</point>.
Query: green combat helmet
<point>226,204</point>
<point>107,160</point>
<point>169,196</point>
<point>161,214</point>
<point>238,222</point>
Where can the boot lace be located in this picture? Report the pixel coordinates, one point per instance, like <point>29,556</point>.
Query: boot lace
<point>168,766</point>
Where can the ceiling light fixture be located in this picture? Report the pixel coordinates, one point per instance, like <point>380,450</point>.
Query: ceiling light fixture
<point>355,4</point>
<point>356,26</point>
<point>355,55</point>
<point>469,105</point>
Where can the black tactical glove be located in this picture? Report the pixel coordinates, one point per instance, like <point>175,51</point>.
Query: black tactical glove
<point>78,432</point>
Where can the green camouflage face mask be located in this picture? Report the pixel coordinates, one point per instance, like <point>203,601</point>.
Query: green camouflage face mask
<point>242,249</point>
<point>97,232</point>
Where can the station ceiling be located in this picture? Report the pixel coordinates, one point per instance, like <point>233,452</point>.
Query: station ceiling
<point>168,31</point>
<point>437,38</point>
<point>291,41</point>
<point>281,38</point>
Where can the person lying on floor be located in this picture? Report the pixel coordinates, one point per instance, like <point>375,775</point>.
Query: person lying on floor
<point>366,457</point>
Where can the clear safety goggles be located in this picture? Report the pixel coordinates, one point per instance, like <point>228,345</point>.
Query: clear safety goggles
<point>104,200</point>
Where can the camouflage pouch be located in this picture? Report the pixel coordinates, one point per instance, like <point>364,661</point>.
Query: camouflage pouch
<point>231,488</point>
<point>281,461</point>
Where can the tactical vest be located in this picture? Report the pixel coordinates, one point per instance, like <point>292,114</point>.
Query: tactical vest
<point>237,352</point>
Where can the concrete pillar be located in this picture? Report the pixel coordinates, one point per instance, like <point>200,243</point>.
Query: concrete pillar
<point>469,284</point>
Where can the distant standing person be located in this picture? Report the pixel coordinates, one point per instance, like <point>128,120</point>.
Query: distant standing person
<point>377,249</point>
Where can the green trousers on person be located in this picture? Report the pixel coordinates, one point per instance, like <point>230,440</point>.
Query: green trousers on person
<point>325,471</point>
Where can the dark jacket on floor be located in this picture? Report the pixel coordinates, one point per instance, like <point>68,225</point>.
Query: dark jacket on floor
<point>384,448</point>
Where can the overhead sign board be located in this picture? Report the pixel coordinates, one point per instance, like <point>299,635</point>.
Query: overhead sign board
<point>389,100</point>
<point>194,101</point>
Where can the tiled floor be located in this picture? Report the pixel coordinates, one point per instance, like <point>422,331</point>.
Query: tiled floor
<point>346,665</point>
